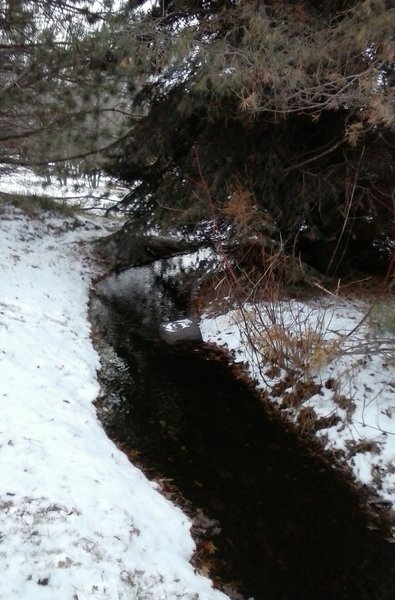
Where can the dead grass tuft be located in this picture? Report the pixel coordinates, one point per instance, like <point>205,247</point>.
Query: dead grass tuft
<point>307,419</point>
<point>279,388</point>
<point>294,347</point>
<point>327,422</point>
<point>240,208</point>
<point>363,446</point>
<point>273,372</point>
<point>302,391</point>
<point>345,404</point>
<point>33,205</point>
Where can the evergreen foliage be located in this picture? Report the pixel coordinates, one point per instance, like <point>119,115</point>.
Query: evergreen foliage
<point>57,97</point>
<point>276,116</point>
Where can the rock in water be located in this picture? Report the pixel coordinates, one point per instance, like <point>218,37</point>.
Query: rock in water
<point>184,330</point>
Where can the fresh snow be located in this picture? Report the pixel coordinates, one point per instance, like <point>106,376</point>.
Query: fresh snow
<point>77,520</point>
<point>351,359</point>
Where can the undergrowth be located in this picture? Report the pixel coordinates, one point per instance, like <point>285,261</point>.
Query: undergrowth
<point>288,324</point>
<point>382,316</point>
<point>33,205</point>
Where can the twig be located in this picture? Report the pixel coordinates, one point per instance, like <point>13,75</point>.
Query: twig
<point>313,158</point>
<point>228,267</point>
<point>347,215</point>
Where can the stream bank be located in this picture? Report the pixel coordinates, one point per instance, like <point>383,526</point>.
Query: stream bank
<point>285,525</point>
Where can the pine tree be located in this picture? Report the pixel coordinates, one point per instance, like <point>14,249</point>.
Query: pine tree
<point>59,97</point>
<point>278,115</point>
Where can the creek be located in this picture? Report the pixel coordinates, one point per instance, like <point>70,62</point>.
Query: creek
<point>287,526</point>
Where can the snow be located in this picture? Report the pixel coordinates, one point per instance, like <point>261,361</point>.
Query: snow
<point>175,326</point>
<point>94,192</point>
<point>343,347</point>
<point>77,520</point>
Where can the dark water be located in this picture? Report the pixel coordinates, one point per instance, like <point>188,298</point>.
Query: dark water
<point>290,528</point>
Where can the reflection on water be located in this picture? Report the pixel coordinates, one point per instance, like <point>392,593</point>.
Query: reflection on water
<point>289,528</point>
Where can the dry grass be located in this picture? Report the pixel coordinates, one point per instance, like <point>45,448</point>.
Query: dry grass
<point>345,404</point>
<point>283,335</point>
<point>240,208</point>
<point>363,446</point>
<point>382,316</point>
<point>33,205</point>
<point>307,419</point>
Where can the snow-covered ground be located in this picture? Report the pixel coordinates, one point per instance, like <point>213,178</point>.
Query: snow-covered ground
<point>77,520</point>
<point>94,193</point>
<point>336,378</point>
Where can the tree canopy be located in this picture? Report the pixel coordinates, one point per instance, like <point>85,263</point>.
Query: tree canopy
<point>279,115</point>
<point>273,116</point>
<point>56,99</point>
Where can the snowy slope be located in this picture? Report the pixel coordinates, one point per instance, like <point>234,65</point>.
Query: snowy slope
<point>95,193</point>
<point>77,520</point>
